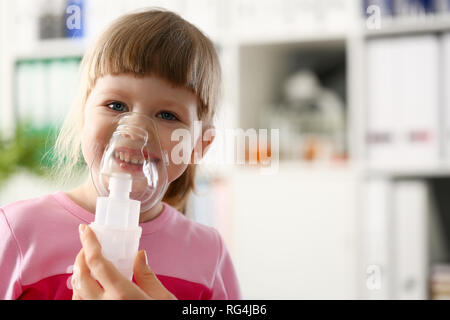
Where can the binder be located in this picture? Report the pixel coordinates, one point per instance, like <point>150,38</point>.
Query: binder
<point>55,98</point>
<point>22,97</point>
<point>68,72</point>
<point>411,208</point>
<point>377,257</point>
<point>39,109</point>
<point>382,114</point>
<point>419,98</point>
<point>403,102</point>
<point>395,239</point>
<point>445,83</point>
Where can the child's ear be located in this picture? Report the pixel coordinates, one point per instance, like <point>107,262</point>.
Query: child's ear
<point>203,143</point>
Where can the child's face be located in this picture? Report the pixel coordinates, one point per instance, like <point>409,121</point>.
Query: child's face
<point>171,108</point>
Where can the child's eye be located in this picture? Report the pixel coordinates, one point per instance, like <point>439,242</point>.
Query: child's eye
<point>165,115</point>
<point>117,106</point>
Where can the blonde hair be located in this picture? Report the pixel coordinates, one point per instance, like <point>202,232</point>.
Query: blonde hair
<point>150,42</point>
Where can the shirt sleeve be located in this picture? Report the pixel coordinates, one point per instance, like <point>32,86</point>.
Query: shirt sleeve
<point>225,284</point>
<point>10,287</point>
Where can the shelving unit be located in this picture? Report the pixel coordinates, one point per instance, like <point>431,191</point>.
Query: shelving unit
<point>257,88</point>
<point>52,49</point>
<point>404,196</point>
<point>276,216</point>
<point>305,225</point>
<point>435,24</point>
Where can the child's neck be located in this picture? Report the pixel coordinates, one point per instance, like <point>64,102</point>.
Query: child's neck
<point>85,196</point>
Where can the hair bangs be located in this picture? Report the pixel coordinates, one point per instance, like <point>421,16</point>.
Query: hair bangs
<point>166,47</point>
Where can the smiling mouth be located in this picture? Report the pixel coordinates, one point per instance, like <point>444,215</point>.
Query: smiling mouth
<point>128,158</point>
<point>132,157</point>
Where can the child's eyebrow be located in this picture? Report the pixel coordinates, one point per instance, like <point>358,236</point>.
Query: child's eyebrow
<point>113,91</point>
<point>161,102</point>
<point>169,103</point>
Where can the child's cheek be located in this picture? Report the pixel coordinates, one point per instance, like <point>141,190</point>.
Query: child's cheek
<point>175,171</point>
<point>95,137</point>
<point>175,167</point>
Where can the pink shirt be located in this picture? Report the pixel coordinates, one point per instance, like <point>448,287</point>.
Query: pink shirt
<point>39,242</point>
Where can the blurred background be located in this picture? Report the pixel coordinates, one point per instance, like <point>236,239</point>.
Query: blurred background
<point>356,206</point>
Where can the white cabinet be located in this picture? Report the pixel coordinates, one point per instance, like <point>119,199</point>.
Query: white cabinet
<point>296,233</point>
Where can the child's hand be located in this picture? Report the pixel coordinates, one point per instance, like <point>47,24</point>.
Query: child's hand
<point>113,284</point>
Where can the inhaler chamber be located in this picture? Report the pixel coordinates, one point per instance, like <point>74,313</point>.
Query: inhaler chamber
<point>134,150</point>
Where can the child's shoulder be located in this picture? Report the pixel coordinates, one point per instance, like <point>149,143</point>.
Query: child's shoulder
<point>193,229</point>
<point>28,209</point>
<point>27,204</point>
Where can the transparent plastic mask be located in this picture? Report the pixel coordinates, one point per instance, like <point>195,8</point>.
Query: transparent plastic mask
<point>134,149</point>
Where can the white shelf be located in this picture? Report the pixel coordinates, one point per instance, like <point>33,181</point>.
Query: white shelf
<point>292,38</point>
<point>410,26</point>
<point>51,49</point>
<point>415,172</point>
<point>442,170</point>
<point>318,166</point>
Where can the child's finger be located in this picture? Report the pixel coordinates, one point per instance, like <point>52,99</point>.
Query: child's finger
<point>84,286</point>
<point>147,280</point>
<point>102,269</point>
<point>75,296</point>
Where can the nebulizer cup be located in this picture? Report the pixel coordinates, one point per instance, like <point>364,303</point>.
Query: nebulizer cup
<point>130,178</point>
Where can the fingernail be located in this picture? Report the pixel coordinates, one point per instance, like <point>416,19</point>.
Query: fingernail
<point>81,228</point>
<point>75,279</point>
<point>145,256</point>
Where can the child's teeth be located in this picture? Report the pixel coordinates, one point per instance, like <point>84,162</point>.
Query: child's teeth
<point>126,158</point>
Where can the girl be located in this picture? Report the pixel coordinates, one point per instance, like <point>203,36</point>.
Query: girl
<point>155,63</point>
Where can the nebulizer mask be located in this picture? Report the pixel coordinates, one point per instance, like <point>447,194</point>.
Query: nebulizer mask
<point>130,178</point>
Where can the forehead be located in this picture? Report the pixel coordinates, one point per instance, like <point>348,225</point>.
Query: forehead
<point>144,88</point>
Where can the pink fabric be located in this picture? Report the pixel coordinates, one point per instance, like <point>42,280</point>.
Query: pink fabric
<point>58,287</point>
<point>39,242</point>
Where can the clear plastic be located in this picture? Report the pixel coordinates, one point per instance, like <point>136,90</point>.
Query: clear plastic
<point>134,149</point>
<point>130,178</point>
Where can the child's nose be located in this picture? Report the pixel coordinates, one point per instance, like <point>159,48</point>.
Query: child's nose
<point>137,126</point>
<point>139,136</point>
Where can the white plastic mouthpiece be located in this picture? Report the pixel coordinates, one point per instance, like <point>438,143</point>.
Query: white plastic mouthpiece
<point>116,224</point>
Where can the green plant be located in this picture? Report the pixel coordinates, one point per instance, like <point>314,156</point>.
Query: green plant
<point>29,148</point>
